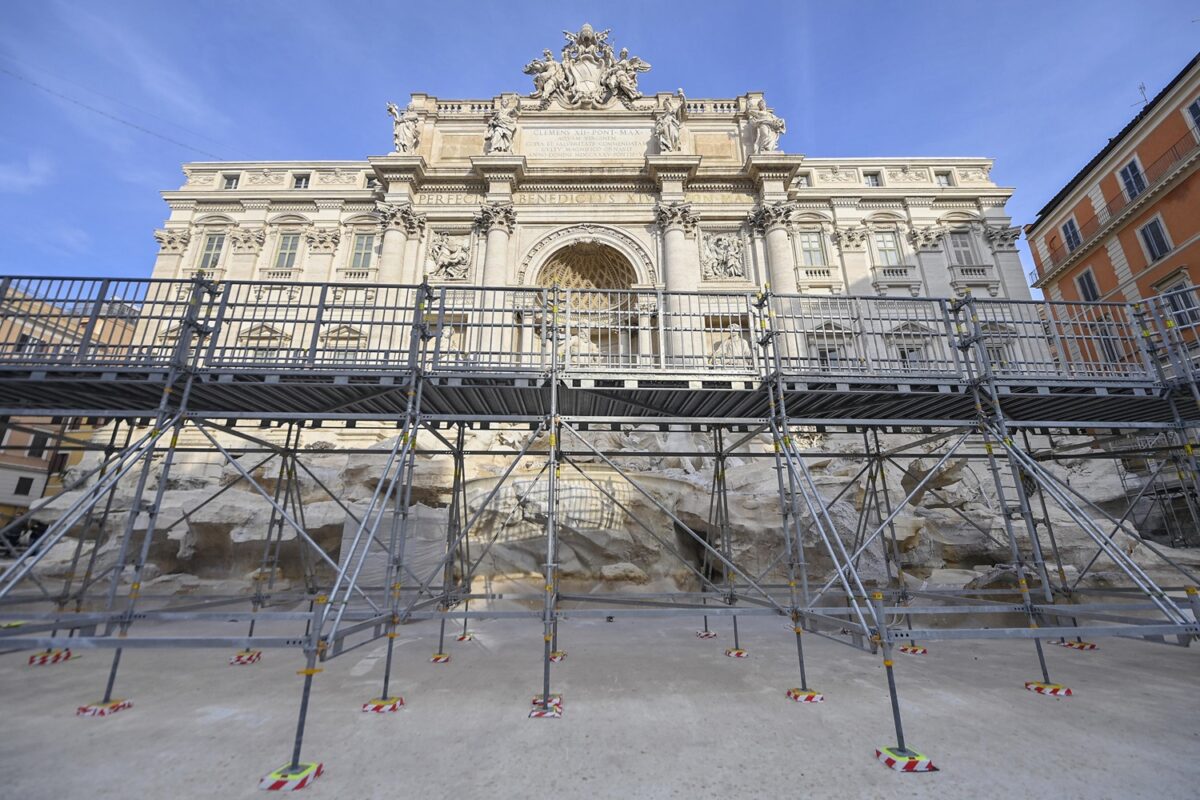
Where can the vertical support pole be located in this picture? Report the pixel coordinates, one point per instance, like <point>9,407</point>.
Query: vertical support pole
<point>884,638</point>
<point>550,595</point>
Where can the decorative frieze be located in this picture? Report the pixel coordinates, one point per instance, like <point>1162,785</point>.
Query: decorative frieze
<point>172,241</point>
<point>338,177</point>
<point>266,177</point>
<point>837,174</point>
<point>907,174</point>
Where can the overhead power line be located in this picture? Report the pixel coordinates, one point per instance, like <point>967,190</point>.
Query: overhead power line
<point>103,113</point>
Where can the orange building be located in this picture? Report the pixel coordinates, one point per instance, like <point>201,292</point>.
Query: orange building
<point>1127,226</point>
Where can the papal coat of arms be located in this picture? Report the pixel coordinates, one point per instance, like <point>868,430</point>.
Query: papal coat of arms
<point>589,74</point>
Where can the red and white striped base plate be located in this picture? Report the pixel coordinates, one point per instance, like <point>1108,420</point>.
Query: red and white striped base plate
<point>706,634</point>
<point>466,637</point>
<point>736,652</point>
<point>1079,645</point>
<point>912,650</point>
<point>439,658</point>
<point>913,762</point>
<point>245,657</point>
<point>551,712</point>
<point>49,657</point>
<point>383,705</point>
<point>1052,689</point>
<point>555,700</point>
<point>558,655</point>
<point>101,709</point>
<point>284,780</point>
<point>802,696</point>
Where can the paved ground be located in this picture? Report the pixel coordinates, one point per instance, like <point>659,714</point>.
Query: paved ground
<point>651,711</point>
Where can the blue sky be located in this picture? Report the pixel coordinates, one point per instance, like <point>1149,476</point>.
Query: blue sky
<point>1039,86</point>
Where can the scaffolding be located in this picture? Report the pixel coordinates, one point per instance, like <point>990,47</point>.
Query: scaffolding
<point>981,380</point>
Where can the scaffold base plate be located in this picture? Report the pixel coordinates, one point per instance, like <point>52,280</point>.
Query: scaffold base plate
<point>736,652</point>
<point>805,696</point>
<point>439,658</point>
<point>1051,689</point>
<point>103,709</point>
<point>465,637</point>
<point>558,655</point>
<point>555,700</point>
<point>285,779</point>
<point>904,760</point>
<point>912,650</point>
<point>50,657</point>
<point>383,705</point>
<point>548,712</point>
<point>1078,645</point>
<point>245,657</point>
<point>706,634</point>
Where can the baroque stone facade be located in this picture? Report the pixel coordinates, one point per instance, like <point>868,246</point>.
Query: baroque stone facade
<point>692,193</point>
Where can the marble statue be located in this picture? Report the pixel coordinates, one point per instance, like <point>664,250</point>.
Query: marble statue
<point>406,134</point>
<point>767,128</point>
<point>589,75</point>
<point>587,43</point>
<point>668,124</point>
<point>550,78</point>
<point>620,76</point>
<point>450,259</point>
<point>732,350</point>
<point>723,258</point>
<point>502,126</point>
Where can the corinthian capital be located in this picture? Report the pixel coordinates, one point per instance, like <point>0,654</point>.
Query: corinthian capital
<point>677,215</point>
<point>852,238</point>
<point>401,216</point>
<point>247,240</point>
<point>1003,238</point>
<point>322,240</point>
<point>497,214</point>
<point>172,241</point>
<point>927,238</point>
<point>772,215</point>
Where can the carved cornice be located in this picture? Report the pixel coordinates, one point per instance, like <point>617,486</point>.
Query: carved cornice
<point>172,241</point>
<point>493,215</point>
<point>1002,238</point>
<point>927,238</point>
<point>772,215</point>
<point>676,216</point>
<point>247,240</point>
<point>322,240</point>
<point>255,205</point>
<point>400,216</point>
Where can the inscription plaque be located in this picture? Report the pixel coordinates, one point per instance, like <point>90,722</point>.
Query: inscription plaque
<point>568,143</point>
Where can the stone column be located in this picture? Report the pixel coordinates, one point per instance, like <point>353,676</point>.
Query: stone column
<point>399,223</point>
<point>497,329</point>
<point>680,273</point>
<point>245,245</point>
<point>497,220</point>
<point>172,242</point>
<point>322,242</point>
<point>773,221</point>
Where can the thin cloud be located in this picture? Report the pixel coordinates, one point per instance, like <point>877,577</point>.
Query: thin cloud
<point>24,176</point>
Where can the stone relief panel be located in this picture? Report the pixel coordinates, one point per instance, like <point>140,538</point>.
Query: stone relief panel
<point>723,256</point>
<point>449,256</point>
<point>265,177</point>
<point>837,175</point>
<point>906,174</point>
<point>338,177</point>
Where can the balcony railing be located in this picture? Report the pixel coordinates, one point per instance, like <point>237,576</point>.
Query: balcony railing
<point>114,325</point>
<point>1162,167</point>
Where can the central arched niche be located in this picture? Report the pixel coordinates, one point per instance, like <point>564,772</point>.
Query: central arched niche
<point>589,266</point>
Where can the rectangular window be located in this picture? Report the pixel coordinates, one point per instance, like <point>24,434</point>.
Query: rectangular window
<point>29,345</point>
<point>289,245</point>
<point>943,179</point>
<point>58,464</point>
<point>1184,307</point>
<point>1133,179</point>
<point>829,357</point>
<point>1194,113</point>
<point>372,182</point>
<point>1071,235</point>
<point>364,243</point>
<point>1154,236</point>
<point>913,356</point>
<point>214,243</point>
<point>300,181</point>
<point>229,181</point>
<point>872,179</point>
<point>24,486</point>
<point>37,446</point>
<point>803,180</point>
<point>1088,290</point>
<point>887,248</point>
<point>812,249</point>
<point>961,252</point>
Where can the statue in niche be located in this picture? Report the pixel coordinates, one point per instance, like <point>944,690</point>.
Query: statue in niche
<point>452,346</point>
<point>450,259</point>
<point>668,124</point>
<point>767,128</point>
<point>549,77</point>
<point>732,349</point>
<point>406,134</point>
<point>620,76</point>
<point>502,126</point>
<point>578,350</point>
<point>723,258</point>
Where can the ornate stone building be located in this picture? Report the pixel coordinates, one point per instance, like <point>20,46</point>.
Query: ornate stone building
<point>587,182</point>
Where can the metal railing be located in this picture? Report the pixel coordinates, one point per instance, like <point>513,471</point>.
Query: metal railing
<point>113,325</point>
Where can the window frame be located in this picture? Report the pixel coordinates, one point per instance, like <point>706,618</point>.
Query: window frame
<point>1067,238</point>
<point>1166,237</point>
<point>298,177</point>
<point>355,237</point>
<point>876,250</point>
<point>972,251</point>
<point>804,180</point>
<point>205,251</point>
<point>227,177</point>
<point>1091,276</point>
<point>872,174</point>
<point>947,174</point>
<point>39,441</point>
<point>279,251</point>
<point>1191,114</point>
<point>1180,286</point>
<point>819,236</point>
<point>28,484</point>
<point>1136,163</point>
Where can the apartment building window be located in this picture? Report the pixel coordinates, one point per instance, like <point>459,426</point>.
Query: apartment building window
<point>1154,238</point>
<point>214,243</point>
<point>887,249</point>
<point>289,245</point>
<point>829,357</point>
<point>24,486</point>
<point>913,356</point>
<point>229,181</point>
<point>1194,112</point>
<point>300,181</point>
<point>58,464</point>
<point>1133,179</point>
<point>37,446</point>
<point>364,244</point>
<point>961,252</point>
<point>872,179</point>
<point>29,345</point>
<point>1181,297</point>
<point>943,179</point>
<point>812,249</point>
<point>1071,235</point>
<point>1089,292</point>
